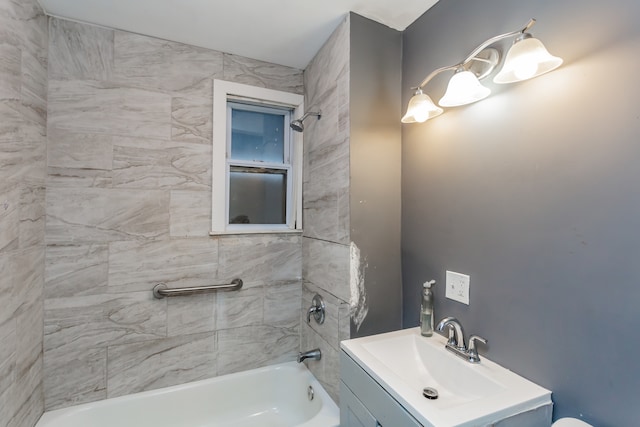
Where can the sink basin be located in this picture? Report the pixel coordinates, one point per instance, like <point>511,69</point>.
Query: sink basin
<point>404,363</point>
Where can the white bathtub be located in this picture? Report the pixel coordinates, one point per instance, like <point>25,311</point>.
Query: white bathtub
<point>273,396</point>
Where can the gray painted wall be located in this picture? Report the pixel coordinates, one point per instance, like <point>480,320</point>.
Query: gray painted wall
<point>533,192</point>
<point>375,163</point>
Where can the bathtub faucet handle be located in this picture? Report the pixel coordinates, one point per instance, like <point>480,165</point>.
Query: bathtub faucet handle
<point>317,309</point>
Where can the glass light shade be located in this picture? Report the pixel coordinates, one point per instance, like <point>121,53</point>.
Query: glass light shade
<point>526,59</point>
<point>421,108</point>
<point>464,88</point>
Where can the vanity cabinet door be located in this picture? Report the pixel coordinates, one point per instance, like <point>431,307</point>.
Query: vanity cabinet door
<point>352,412</point>
<point>381,407</point>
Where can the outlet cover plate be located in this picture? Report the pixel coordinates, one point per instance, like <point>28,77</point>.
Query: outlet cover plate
<point>457,287</point>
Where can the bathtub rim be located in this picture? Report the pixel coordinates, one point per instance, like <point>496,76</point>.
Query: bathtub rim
<point>328,410</point>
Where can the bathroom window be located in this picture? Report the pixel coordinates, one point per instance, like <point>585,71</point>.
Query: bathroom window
<point>257,160</point>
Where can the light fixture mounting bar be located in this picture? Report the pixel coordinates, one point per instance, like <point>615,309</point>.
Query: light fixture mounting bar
<point>495,39</point>
<point>435,73</point>
<point>476,51</point>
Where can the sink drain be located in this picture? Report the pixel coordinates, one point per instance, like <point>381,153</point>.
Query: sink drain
<point>430,393</point>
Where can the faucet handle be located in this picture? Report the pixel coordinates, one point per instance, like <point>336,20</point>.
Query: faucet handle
<point>473,351</point>
<point>317,309</point>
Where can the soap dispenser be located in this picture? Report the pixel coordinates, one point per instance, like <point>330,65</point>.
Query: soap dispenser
<point>426,310</point>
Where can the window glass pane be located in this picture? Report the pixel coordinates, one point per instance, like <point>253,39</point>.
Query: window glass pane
<point>257,136</point>
<point>257,197</point>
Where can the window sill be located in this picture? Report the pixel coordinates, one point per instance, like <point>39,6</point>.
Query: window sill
<point>244,232</point>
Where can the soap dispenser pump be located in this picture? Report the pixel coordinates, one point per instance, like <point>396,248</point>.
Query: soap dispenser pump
<point>426,310</point>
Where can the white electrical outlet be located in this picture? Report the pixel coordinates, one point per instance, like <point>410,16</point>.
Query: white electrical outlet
<point>457,287</point>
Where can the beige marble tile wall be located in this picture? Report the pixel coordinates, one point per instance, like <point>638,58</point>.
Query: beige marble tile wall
<point>23,94</point>
<point>128,205</point>
<point>325,245</point>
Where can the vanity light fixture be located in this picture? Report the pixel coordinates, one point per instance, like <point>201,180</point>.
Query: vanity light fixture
<point>464,88</point>
<point>526,59</point>
<point>421,108</point>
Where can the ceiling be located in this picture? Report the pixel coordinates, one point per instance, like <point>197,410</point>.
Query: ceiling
<point>286,32</point>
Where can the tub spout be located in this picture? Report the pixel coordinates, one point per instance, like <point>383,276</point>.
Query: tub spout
<point>314,354</point>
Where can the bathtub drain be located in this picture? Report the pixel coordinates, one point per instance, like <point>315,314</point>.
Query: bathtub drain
<point>310,393</point>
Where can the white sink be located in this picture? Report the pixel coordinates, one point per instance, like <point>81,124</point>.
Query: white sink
<point>404,363</point>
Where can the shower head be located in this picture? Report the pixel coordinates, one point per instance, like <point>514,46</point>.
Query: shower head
<point>298,126</point>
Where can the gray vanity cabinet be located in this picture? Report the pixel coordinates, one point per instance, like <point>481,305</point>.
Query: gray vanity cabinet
<point>364,403</point>
<point>353,413</point>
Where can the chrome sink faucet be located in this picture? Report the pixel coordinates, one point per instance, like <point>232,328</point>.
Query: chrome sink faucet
<point>456,343</point>
<point>456,332</point>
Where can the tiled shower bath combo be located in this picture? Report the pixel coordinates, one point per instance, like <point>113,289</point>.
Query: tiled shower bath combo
<point>110,136</point>
<point>129,195</point>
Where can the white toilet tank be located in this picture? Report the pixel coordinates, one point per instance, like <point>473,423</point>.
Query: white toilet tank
<point>570,422</point>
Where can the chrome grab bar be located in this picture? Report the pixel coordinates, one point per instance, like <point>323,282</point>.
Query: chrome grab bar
<point>161,290</point>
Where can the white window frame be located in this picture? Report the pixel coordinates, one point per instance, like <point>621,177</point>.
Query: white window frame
<point>223,92</point>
